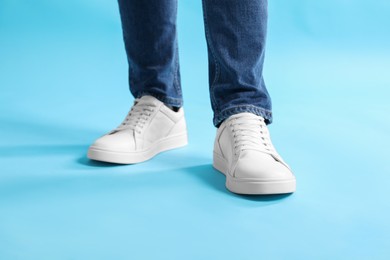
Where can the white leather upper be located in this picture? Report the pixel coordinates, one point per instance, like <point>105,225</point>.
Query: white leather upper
<point>243,140</point>
<point>148,121</point>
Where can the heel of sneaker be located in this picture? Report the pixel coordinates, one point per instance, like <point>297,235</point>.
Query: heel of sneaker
<point>219,163</point>
<point>179,127</point>
<point>172,142</point>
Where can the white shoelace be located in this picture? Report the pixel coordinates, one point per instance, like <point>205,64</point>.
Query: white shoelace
<point>137,117</point>
<point>251,133</point>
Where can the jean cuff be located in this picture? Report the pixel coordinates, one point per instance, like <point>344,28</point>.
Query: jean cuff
<point>175,102</point>
<point>224,114</point>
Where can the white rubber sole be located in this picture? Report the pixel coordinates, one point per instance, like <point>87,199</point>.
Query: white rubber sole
<point>252,186</point>
<point>168,143</point>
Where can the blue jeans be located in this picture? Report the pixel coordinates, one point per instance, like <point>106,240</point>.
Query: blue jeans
<point>235,32</point>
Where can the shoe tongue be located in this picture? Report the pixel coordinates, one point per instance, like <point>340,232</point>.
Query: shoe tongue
<point>149,100</point>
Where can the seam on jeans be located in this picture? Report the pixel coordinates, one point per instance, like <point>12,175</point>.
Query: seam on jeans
<point>246,105</point>
<point>210,43</point>
<point>165,99</point>
<point>122,10</point>
<point>131,75</point>
<point>158,95</point>
<point>175,76</point>
<point>225,113</point>
<point>176,71</point>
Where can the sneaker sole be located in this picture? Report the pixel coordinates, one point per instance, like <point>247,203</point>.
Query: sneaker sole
<point>252,186</point>
<point>168,143</point>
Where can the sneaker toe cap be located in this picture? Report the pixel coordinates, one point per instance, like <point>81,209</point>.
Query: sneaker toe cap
<point>262,166</point>
<point>121,141</point>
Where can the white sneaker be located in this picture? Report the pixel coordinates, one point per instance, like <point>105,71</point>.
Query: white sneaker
<point>149,128</point>
<point>244,153</point>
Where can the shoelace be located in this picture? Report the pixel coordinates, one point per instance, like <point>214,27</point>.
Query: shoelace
<point>137,116</point>
<point>251,133</point>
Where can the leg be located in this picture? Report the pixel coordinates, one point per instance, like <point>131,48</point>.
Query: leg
<point>236,35</point>
<point>152,125</point>
<point>243,151</point>
<point>150,36</point>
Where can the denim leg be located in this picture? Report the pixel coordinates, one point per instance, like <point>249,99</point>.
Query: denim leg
<point>236,35</point>
<point>150,36</point>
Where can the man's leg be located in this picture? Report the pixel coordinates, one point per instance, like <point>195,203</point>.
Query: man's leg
<point>236,36</point>
<point>243,151</point>
<point>156,121</point>
<point>150,36</point>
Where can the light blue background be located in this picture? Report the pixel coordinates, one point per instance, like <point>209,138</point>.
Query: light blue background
<point>63,83</point>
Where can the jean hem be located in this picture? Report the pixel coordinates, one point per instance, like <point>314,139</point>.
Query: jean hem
<point>176,102</point>
<point>224,114</point>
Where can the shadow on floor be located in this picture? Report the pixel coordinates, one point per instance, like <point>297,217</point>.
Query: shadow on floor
<point>205,173</point>
<point>40,150</point>
<point>85,161</point>
<point>216,180</point>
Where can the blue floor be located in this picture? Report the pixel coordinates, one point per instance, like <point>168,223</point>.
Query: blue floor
<point>63,83</point>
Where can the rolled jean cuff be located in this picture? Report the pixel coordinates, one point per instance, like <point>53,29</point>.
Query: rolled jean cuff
<point>175,102</point>
<point>224,114</point>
